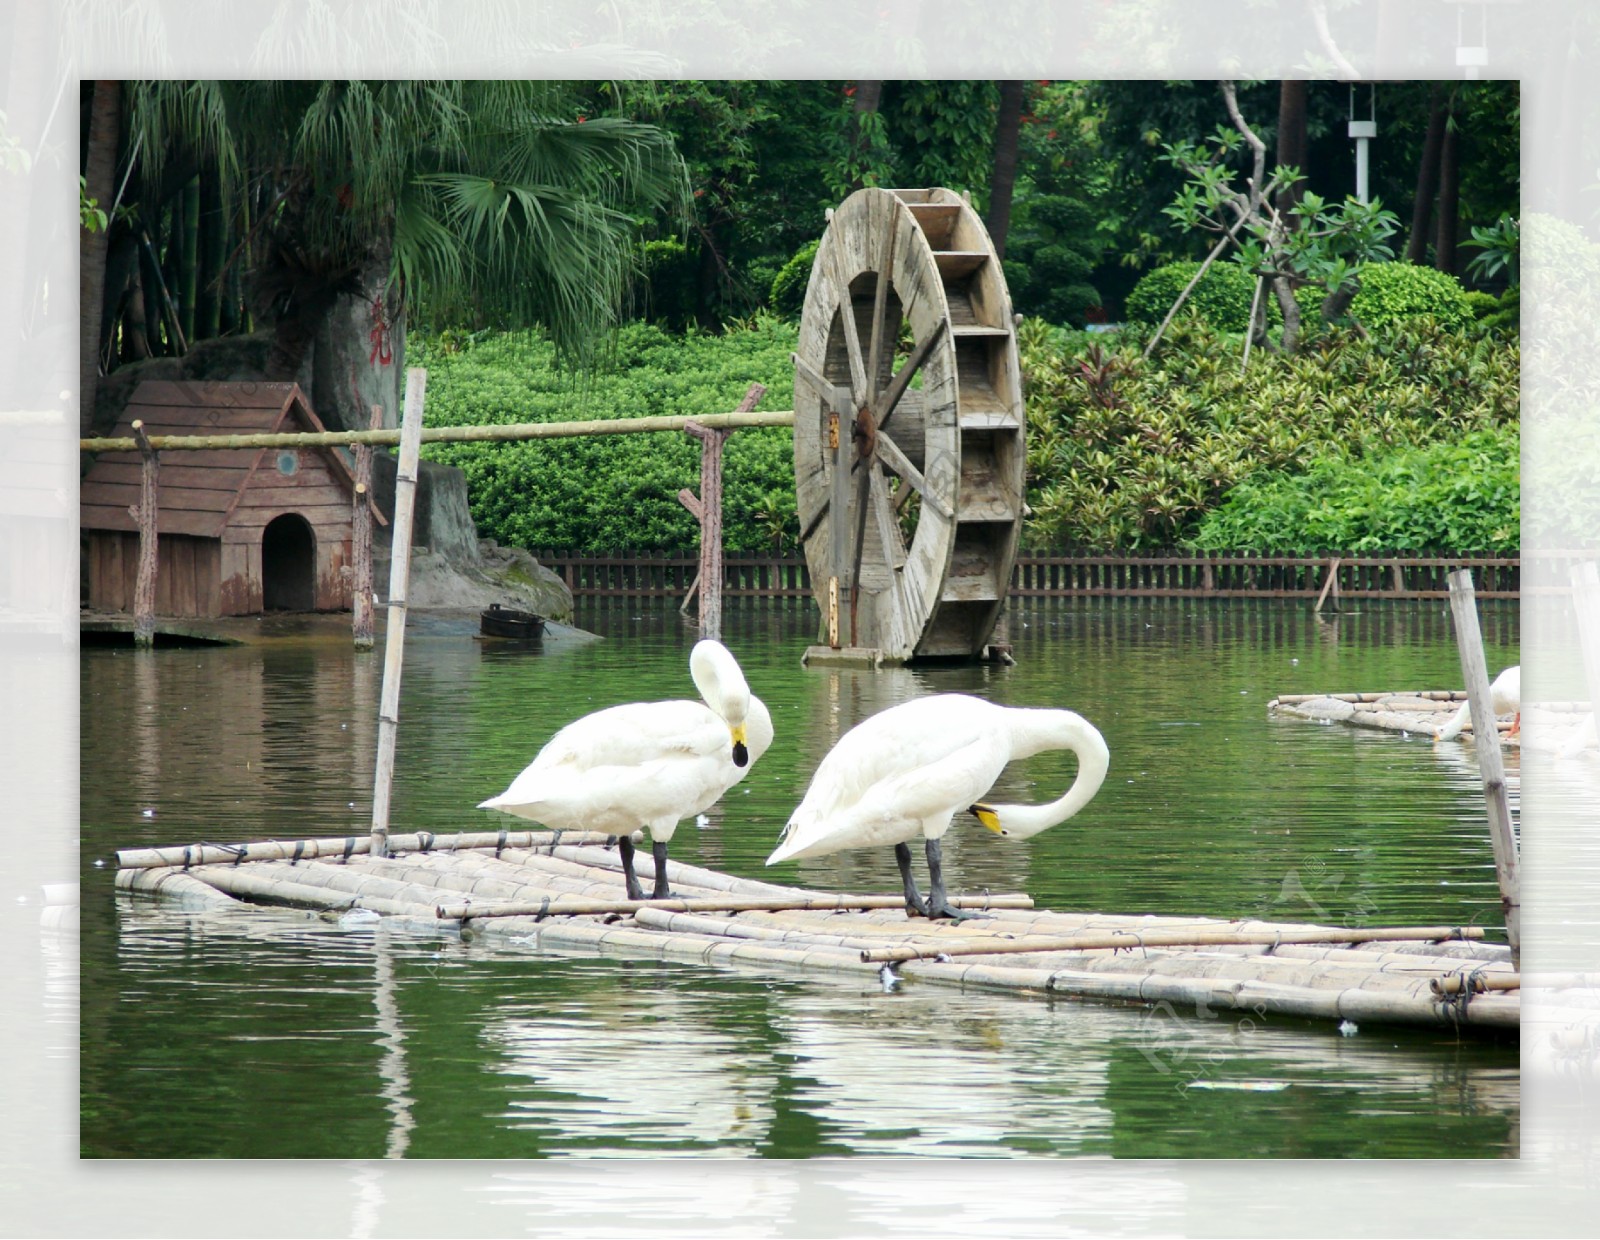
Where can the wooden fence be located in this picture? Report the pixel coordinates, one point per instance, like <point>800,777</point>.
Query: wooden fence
<point>756,575</point>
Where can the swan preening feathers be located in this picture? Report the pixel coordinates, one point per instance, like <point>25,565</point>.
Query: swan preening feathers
<point>647,764</point>
<point>907,771</point>
<point>1505,696</point>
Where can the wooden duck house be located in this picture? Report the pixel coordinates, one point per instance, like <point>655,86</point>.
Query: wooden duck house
<point>240,530</point>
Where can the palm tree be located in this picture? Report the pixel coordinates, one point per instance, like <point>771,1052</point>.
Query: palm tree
<point>355,205</point>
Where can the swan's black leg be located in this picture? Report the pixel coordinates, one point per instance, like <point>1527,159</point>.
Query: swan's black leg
<point>939,905</point>
<point>625,847</point>
<point>658,851</point>
<point>915,905</point>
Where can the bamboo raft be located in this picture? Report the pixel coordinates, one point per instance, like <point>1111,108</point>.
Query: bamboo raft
<point>1414,711</point>
<point>563,892</point>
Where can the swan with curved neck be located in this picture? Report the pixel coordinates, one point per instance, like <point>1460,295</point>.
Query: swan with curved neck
<point>907,771</point>
<point>1505,698</point>
<point>647,764</point>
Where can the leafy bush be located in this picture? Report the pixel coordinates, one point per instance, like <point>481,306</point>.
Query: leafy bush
<point>616,492</point>
<point>1391,292</point>
<point>1460,496</point>
<point>669,292</point>
<point>1221,299</point>
<point>788,295</point>
<point>1125,452</point>
<point>1482,305</point>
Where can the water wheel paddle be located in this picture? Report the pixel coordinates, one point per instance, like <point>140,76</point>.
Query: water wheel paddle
<point>908,433</point>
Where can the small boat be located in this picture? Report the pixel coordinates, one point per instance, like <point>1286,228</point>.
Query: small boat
<point>498,621</point>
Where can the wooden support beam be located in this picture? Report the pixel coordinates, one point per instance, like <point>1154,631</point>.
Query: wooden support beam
<point>144,589</point>
<point>707,509</point>
<point>1330,583</point>
<point>394,638</point>
<point>1491,766</point>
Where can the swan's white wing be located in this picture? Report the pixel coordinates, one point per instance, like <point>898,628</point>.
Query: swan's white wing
<point>636,733</point>
<point>905,740</point>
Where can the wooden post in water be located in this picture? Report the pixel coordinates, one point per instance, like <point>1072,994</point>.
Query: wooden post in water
<point>394,637</point>
<point>707,509</point>
<point>361,619</point>
<point>1486,738</point>
<point>144,589</point>
<point>1586,603</point>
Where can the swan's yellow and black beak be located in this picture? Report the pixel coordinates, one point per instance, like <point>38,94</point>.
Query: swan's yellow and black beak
<point>987,816</point>
<point>741,752</point>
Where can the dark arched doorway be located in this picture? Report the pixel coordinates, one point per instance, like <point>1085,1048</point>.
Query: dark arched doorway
<point>288,565</point>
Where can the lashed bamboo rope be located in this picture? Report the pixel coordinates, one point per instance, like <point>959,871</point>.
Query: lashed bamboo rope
<point>1472,983</point>
<point>1427,695</point>
<point>452,434</point>
<point>565,907</point>
<point>350,845</point>
<point>1125,940</point>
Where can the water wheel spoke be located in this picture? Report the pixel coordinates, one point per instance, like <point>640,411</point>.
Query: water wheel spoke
<point>851,331</point>
<point>889,452</point>
<point>835,399</point>
<point>863,482</point>
<point>880,308</point>
<point>890,397</point>
<point>894,547</point>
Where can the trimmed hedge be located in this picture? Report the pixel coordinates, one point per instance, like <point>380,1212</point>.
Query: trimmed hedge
<point>788,296</point>
<point>1221,299</point>
<point>1393,292</point>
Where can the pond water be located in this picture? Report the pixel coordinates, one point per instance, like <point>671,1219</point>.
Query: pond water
<point>272,1033</point>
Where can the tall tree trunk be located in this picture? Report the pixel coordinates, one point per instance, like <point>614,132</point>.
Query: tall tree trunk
<point>187,223</point>
<point>150,288</point>
<point>866,100</point>
<point>135,333</point>
<point>1427,177</point>
<point>211,242</point>
<point>1293,143</point>
<point>1007,133</point>
<point>1444,244</point>
<point>100,168</point>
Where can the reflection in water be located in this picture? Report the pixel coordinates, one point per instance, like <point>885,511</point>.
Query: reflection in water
<point>300,1037</point>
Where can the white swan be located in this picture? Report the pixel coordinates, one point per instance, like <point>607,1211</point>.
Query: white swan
<point>908,770</point>
<point>1505,696</point>
<point>647,764</point>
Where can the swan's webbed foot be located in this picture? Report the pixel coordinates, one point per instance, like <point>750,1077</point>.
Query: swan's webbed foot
<point>939,906</point>
<point>629,878</point>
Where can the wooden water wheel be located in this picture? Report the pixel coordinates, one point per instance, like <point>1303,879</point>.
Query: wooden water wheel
<point>909,423</point>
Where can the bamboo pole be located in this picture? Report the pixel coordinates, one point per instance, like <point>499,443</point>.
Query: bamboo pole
<point>361,618</point>
<point>1332,583</point>
<point>1125,940</point>
<point>513,431</point>
<point>184,856</point>
<point>1491,766</point>
<point>176,885</point>
<point>394,636</point>
<point>144,589</point>
<point>1474,983</point>
<point>563,907</point>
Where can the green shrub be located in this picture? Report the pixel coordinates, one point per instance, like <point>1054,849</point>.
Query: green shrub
<point>616,492</point>
<point>669,292</point>
<point>1458,496</point>
<point>1221,299</point>
<point>1482,305</point>
<point>788,294</point>
<point>1391,292</point>
<point>1506,313</point>
<point>1128,452</point>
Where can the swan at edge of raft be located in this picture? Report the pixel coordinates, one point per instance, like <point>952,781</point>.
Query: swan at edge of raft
<point>647,764</point>
<point>907,771</point>
<point>1505,696</point>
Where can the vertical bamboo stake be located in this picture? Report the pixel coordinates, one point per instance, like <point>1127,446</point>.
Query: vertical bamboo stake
<point>1586,602</point>
<point>394,637</point>
<point>361,619</point>
<point>1486,738</point>
<point>144,590</point>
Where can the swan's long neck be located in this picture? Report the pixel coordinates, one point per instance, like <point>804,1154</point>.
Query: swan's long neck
<point>721,684</point>
<point>1033,731</point>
